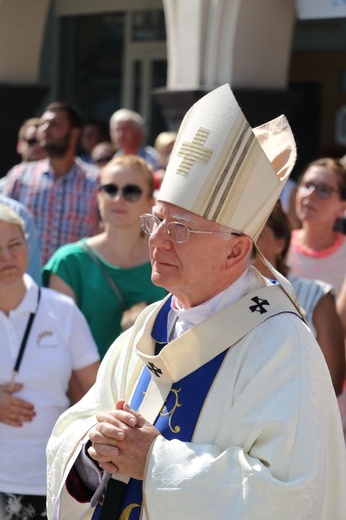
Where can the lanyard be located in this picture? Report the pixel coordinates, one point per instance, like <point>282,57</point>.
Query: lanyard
<point>23,345</point>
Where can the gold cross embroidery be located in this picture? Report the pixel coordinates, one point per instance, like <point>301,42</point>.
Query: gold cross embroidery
<point>194,152</point>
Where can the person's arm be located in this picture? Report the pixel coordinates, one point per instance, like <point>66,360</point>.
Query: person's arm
<point>58,284</point>
<point>341,305</point>
<point>329,335</point>
<point>81,381</point>
<point>85,356</point>
<point>10,182</point>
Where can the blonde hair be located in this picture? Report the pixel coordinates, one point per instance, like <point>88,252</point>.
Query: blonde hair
<point>163,139</point>
<point>7,214</point>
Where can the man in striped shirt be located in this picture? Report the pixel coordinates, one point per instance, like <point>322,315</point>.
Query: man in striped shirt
<point>60,190</point>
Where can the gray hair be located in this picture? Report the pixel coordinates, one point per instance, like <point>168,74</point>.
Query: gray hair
<point>7,214</point>
<point>125,114</point>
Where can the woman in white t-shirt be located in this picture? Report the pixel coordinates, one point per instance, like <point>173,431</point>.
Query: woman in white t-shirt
<point>45,344</point>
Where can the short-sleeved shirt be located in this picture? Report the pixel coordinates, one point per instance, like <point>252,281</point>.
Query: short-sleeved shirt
<point>59,342</point>
<point>94,295</point>
<point>309,293</point>
<point>64,208</point>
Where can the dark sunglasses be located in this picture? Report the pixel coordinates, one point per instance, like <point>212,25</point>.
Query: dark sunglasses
<point>31,141</point>
<point>130,192</point>
<point>103,159</point>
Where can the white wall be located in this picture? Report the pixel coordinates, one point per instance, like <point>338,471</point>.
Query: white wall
<point>244,42</point>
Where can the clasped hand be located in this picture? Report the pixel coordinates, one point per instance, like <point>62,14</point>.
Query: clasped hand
<point>13,410</point>
<point>121,441</point>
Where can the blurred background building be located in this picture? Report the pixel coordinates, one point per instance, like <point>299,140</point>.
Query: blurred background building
<point>158,56</point>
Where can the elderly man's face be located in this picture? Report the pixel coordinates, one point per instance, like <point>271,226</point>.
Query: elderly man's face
<point>126,135</point>
<point>193,271</point>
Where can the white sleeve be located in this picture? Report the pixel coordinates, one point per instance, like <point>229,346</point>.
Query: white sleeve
<point>83,347</point>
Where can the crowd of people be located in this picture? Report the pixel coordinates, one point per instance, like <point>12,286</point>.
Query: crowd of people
<point>96,226</point>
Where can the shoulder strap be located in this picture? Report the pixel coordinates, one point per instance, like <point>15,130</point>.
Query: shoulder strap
<point>111,282</point>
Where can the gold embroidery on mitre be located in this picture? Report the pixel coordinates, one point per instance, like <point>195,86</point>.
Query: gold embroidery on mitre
<point>125,515</point>
<point>194,152</point>
<point>212,179</point>
<point>170,413</point>
<point>229,174</point>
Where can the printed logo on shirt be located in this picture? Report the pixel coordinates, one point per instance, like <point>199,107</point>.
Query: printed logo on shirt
<point>46,339</point>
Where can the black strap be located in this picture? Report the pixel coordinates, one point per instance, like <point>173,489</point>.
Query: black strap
<point>110,280</point>
<point>112,501</point>
<point>26,334</point>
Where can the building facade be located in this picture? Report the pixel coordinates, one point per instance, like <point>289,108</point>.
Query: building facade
<point>159,56</point>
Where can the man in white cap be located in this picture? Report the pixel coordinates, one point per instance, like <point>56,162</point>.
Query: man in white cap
<point>218,402</point>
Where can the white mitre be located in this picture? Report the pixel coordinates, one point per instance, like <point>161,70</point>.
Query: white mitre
<point>225,171</point>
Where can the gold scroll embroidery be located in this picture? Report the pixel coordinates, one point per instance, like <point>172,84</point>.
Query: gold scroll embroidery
<point>125,515</point>
<point>170,413</point>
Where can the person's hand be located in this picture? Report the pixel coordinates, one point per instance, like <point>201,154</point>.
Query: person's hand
<point>121,441</point>
<point>130,315</point>
<point>13,410</point>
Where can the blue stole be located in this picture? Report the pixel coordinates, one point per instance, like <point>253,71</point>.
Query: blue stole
<point>177,418</point>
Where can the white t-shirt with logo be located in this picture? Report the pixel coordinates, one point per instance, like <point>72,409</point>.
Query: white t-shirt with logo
<point>59,342</point>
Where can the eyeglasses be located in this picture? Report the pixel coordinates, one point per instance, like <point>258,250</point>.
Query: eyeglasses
<point>130,192</point>
<point>31,141</point>
<point>177,231</point>
<point>323,191</point>
<point>103,159</point>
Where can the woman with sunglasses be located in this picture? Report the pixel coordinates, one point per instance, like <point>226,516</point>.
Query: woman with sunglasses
<point>318,250</point>
<point>121,250</point>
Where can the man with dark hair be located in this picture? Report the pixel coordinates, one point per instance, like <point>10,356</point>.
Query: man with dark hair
<point>73,113</point>
<point>60,191</point>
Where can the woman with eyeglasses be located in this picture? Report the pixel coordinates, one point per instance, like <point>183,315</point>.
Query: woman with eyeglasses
<point>111,271</point>
<point>314,296</point>
<point>318,250</point>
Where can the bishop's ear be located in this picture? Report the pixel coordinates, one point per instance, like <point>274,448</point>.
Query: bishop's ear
<point>241,249</point>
